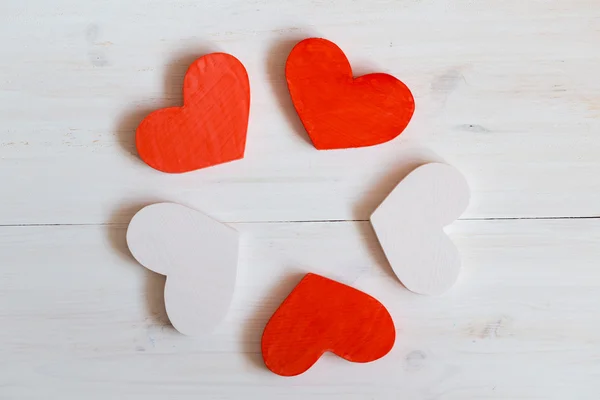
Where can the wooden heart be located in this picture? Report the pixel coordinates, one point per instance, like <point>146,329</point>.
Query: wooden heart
<point>211,126</point>
<point>337,110</point>
<point>323,315</point>
<point>197,254</point>
<point>409,225</point>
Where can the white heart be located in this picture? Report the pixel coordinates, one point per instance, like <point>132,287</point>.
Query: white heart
<point>409,225</point>
<point>198,255</point>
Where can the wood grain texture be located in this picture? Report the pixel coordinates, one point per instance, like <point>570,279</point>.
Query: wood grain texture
<point>211,126</point>
<point>197,254</point>
<point>520,323</point>
<point>409,226</point>
<point>506,92</point>
<point>338,110</point>
<point>322,315</point>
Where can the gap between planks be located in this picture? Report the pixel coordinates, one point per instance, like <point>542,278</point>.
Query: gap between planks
<point>316,221</point>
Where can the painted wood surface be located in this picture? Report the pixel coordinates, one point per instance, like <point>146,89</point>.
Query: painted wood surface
<point>198,256</point>
<point>410,223</point>
<point>322,315</point>
<point>520,323</point>
<point>338,110</point>
<point>506,92</point>
<point>210,128</point>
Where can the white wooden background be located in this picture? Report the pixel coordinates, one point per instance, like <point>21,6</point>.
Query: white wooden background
<point>506,90</point>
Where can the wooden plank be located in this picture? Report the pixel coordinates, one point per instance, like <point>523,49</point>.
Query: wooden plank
<point>506,91</point>
<point>81,319</point>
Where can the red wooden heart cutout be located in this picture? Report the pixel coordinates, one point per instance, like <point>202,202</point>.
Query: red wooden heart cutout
<point>211,126</point>
<point>337,110</point>
<point>324,315</point>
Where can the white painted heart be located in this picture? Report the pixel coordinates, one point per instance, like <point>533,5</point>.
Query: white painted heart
<point>197,254</point>
<point>409,225</point>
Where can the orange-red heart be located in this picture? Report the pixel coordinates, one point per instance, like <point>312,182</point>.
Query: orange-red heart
<point>337,110</point>
<point>211,126</point>
<point>323,315</point>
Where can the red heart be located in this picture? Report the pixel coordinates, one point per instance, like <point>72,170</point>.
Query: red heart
<point>323,315</point>
<point>211,126</point>
<point>337,110</point>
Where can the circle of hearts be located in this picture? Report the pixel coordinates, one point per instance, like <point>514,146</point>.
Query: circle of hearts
<point>338,111</point>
